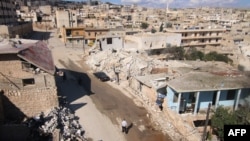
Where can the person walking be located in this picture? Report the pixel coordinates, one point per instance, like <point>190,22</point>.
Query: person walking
<point>124,126</point>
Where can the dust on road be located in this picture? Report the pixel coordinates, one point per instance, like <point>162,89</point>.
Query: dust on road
<point>115,105</point>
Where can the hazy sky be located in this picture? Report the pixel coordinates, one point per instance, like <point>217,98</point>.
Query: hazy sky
<point>183,3</point>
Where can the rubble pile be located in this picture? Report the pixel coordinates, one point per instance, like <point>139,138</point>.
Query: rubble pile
<point>128,64</point>
<point>59,118</point>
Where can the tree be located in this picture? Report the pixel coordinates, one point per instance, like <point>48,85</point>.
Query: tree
<point>214,56</point>
<point>178,53</point>
<point>169,25</point>
<point>221,117</point>
<point>144,25</point>
<point>153,30</point>
<point>194,54</point>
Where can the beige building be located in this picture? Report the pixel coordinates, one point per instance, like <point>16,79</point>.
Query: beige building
<point>15,31</point>
<point>9,27</point>
<point>200,37</point>
<point>73,36</point>
<point>66,18</point>
<point>27,83</point>
<point>81,36</point>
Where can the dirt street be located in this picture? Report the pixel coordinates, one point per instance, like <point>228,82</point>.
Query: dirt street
<point>111,102</point>
<point>115,105</point>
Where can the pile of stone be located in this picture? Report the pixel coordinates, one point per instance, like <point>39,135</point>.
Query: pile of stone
<point>59,118</point>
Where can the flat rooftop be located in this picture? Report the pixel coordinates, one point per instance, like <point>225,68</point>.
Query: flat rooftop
<point>207,81</point>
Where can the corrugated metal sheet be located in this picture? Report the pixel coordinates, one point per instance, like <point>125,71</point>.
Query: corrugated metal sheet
<point>39,55</point>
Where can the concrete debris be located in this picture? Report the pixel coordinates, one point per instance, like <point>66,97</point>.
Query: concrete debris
<point>60,118</point>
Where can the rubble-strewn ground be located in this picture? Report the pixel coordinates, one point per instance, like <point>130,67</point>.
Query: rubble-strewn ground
<point>99,106</point>
<point>179,127</point>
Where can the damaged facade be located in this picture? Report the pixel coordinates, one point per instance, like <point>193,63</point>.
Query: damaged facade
<point>27,80</point>
<point>180,86</point>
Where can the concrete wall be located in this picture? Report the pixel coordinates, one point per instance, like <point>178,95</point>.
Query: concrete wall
<point>4,31</point>
<point>15,31</point>
<point>155,41</point>
<point>46,9</point>
<point>205,98</point>
<point>117,43</point>
<point>147,94</point>
<point>62,19</point>
<point>223,99</point>
<point>170,99</point>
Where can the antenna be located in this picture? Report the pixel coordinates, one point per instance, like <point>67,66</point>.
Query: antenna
<point>167,5</point>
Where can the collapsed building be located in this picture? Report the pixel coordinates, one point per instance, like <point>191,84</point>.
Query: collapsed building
<point>30,104</point>
<point>27,85</point>
<point>181,87</point>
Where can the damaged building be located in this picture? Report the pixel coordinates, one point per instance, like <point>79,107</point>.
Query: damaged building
<point>27,84</point>
<point>182,86</point>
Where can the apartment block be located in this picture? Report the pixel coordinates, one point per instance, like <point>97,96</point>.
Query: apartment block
<point>199,37</point>
<point>66,18</point>
<point>81,36</point>
<point>7,12</point>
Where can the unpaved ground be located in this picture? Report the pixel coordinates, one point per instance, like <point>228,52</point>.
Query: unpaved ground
<point>99,106</point>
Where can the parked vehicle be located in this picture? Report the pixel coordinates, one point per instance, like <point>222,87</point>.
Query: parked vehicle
<point>102,76</point>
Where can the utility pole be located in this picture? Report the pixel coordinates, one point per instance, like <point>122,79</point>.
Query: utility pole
<point>206,123</point>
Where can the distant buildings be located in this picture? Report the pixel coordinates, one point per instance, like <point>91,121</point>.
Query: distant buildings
<point>9,25</point>
<point>8,14</point>
<point>81,36</point>
<point>199,37</point>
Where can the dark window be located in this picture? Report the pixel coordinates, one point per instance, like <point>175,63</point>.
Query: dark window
<point>109,40</point>
<point>29,81</point>
<point>26,66</point>
<point>231,94</point>
<point>68,32</point>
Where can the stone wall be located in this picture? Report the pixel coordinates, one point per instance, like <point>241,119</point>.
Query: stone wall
<point>12,67</point>
<point>19,104</point>
<point>147,94</point>
<point>19,101</point>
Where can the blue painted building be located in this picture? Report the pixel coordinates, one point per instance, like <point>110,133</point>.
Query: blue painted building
<point>192,92</point>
